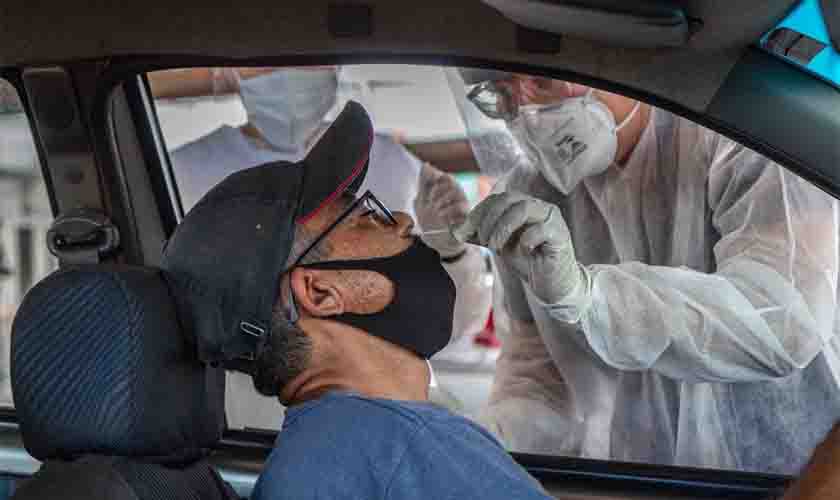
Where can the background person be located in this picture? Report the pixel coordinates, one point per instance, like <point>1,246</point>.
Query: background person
<point>287,110</point>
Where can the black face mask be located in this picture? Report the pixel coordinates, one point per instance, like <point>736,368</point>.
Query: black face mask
<point>419,318</point>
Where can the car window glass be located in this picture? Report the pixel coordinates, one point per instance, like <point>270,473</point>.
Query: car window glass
<point>25,217</point>
<point>674,304</point>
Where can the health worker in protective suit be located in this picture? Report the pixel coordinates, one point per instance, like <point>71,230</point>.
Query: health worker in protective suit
<point>671,294</point>
<point>288,110</point>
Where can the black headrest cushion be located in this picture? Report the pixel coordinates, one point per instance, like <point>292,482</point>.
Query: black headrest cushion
<point>100,366</point>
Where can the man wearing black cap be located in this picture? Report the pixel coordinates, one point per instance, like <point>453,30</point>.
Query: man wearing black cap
<point>333,306</point>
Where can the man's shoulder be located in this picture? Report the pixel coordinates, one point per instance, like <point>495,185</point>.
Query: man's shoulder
<point>380,427</point>
<point>397,415</point>
<point>348,446</point>
<point>371,426</point>
<point>351,443</point>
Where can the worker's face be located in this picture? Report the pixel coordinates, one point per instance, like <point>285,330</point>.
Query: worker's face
<point>523,90</point>
<point>526,89</point>
<point>503,99</point>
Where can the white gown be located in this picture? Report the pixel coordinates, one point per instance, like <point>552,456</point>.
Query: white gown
<point>710,339</point>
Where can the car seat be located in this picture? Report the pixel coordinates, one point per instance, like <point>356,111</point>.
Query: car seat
<point>109,393</point>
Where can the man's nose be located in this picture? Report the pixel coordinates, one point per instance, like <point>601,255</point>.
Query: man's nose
<point>405,224</point>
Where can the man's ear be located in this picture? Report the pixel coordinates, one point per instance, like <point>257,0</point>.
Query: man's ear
<point>317,292</point>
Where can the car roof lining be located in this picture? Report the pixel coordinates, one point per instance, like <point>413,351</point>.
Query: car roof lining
<point>685,80</point>
<point>689,75</point>
<point>649,23</point>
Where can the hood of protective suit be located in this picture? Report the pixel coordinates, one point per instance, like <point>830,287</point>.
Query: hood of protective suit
<point>495,148</point>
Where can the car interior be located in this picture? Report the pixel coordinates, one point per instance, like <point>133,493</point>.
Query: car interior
<point>107,391</point>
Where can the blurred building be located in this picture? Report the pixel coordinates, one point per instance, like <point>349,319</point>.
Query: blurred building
<point>25,217</point>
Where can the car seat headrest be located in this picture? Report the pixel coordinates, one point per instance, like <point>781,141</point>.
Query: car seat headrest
<point>100,366</point>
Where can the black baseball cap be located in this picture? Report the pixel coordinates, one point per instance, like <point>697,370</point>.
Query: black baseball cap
<point>225,258</point>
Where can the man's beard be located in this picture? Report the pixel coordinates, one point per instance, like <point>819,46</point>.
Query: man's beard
<point>284,356</point>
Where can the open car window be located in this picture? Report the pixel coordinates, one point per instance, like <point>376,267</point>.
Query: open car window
<point>25,217</point>
<point>698,326</point>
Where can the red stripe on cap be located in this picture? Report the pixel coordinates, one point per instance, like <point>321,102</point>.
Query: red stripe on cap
<point>357,169</point>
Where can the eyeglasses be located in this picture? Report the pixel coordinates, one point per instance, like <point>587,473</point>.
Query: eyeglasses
<point>494,101</point>
<point>366,205</point>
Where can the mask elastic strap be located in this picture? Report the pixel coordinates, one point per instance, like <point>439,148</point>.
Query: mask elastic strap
<point>629,116</point>
<point>433,383</point>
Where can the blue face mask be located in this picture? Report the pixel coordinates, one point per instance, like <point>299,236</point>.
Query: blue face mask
<point>287,106</point>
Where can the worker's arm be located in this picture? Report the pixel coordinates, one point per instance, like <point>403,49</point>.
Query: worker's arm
<point>530,407</point>
<point>766,310</point>
<point>439,204</point>
<point>473,298</point>
<point>199,82</point>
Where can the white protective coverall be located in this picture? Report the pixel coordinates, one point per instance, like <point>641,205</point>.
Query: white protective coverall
<point>392,176</point>
<point>709,338</point>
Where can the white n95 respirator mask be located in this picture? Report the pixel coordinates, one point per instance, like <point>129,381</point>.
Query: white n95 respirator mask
<point>287,106</point>
<point>568,141</point>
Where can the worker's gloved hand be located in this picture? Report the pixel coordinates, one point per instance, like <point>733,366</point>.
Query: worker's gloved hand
<point>532,237</point>
<point>440,204</point>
